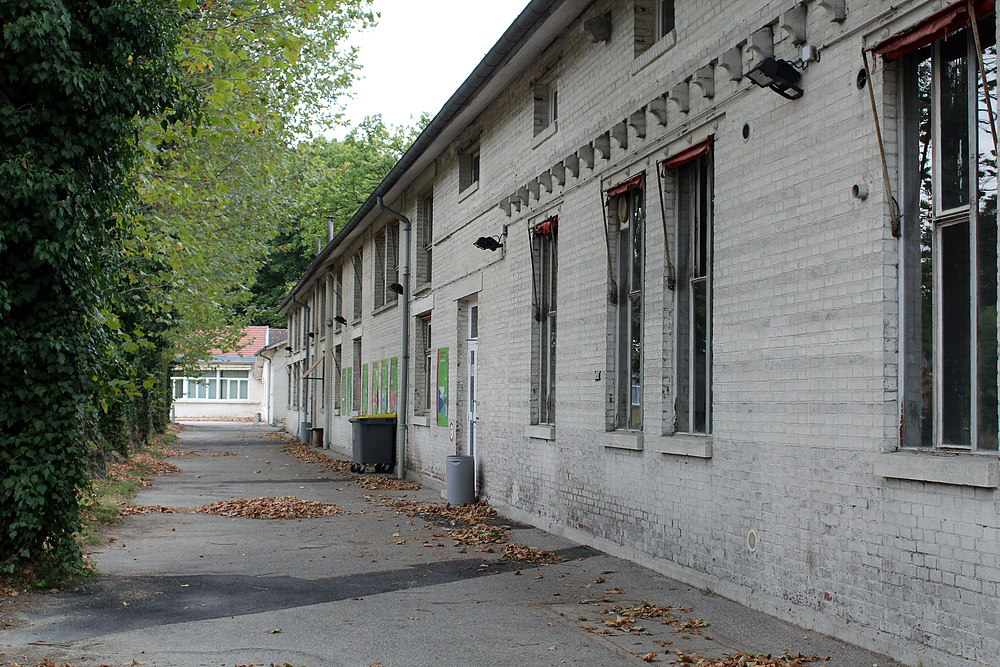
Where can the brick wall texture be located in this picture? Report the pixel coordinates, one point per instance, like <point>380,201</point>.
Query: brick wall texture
<point>805,328</point>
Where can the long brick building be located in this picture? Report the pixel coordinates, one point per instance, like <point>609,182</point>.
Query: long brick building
<point>711,286</point>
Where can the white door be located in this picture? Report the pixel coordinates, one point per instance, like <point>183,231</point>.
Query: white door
<point>473,361</point>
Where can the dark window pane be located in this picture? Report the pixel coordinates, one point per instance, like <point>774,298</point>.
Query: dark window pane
<point>954,121</point>
<point>956,336</point>
<point>635,364</point>
<point>699,293</point>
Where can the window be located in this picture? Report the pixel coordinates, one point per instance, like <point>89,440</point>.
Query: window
<point>338,298</point>
<point>323,294</point>
<point>629,208</point>
<point>357,266</point>
<point>949,246</point>
<point>654,20</point>
<point>425,239</point>
<point>468,169</point>
<point>546,105</point>
<point>386,264</point>
<point>424,403</point>
<point>694,298</point>
<point>217,385</point>
<point>544,235</point>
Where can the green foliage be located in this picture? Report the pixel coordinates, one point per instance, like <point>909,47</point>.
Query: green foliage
<point>220,186</point>
<point>74,74</point>
<point>338,176</point>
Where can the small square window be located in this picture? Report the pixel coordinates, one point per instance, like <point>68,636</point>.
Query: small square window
<point>654,20</point>
<point>468,169</point>
<point>546,105</point>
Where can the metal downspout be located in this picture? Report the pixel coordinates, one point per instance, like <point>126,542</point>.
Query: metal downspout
<point>401,413</point>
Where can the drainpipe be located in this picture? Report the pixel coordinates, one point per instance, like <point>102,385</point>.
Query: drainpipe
<point>401,414</point>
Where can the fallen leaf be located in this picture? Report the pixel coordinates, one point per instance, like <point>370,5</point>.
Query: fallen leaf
<point>275,631</point>
<point>649,657</point>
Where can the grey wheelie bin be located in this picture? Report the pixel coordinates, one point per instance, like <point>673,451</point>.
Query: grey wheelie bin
<point>374,442</point>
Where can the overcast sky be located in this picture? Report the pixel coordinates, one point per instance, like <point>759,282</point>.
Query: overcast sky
<point>421,52</point>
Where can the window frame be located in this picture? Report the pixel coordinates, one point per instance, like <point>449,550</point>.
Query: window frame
<point>650,23</point>
<point>358,268</point>
<point>946,406</point>
<point>545,250</point>
<point>695,194</point>
<point>629,266</point>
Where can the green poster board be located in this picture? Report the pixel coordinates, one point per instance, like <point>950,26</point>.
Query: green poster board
<point>393,382</point>
<point>384,393</point>
<point>442,387</point>
<point>364,389</point>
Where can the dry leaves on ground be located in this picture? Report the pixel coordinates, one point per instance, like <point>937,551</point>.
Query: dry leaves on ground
<point>379,483</point>
<point>746,660</point>
<point>304,453</point>
<point>288,507</point>
<point>130,510</point>
<point>480,534</point>
<point>472,514</point>
<point>138,467</point>
<point>526,554</point>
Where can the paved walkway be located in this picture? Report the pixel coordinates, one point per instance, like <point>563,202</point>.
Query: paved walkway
<point>370,586</point>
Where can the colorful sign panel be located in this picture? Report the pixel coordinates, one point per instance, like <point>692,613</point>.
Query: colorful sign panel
<point>364,389</point>
<point>393,382</point>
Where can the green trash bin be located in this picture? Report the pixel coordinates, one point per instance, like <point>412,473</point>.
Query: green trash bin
<point>373,442</point>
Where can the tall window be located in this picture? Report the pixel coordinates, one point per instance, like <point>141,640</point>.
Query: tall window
<point>425,239</point>
<point>338,298</point>
<point>386,264</point>
<point>629,209</point>
<point>321,294</point>
<point>545,316</point>
<point>426,389</point>
<point>358,271</point>
<point>694,298</point>
<point>949,242</point>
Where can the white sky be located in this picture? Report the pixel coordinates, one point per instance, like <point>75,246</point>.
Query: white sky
<point>421,52</point>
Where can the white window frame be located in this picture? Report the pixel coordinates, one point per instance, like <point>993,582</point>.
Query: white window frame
<point>213,383</point>
<point>630,265</point>
<point>695,194</point>
<point>546,252</point>
<point>933,386</point>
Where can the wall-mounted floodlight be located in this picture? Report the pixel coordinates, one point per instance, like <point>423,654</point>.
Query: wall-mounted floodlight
<point>340,319</point>
<point>778,75</point>
<point>396,287</point>
<point>488,243</point>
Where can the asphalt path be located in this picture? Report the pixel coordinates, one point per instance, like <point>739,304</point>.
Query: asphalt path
<point>371,586</point>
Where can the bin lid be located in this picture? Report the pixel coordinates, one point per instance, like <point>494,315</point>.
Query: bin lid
<point>383,418</point>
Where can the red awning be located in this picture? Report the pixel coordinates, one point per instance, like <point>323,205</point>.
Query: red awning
<point>636,181</point>
<point>689,154</point>
<point>944,22</point>
<point>547,226</point>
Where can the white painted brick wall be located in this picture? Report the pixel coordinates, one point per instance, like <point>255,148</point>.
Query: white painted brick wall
<point>805,324</point>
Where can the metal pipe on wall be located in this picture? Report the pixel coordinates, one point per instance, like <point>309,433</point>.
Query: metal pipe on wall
<point>404,386</point>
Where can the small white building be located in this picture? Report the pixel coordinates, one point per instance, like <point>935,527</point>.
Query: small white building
<point>272,370</point>
<point>226,387</point>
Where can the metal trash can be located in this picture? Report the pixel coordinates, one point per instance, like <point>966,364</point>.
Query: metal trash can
<point>373,442</point>
<point>304,428</point>
<point>460,476</point>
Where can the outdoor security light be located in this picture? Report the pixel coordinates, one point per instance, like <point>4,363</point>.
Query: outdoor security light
<point>488,243</point>
<point>396,287</point>
<point>340,319</point>
<point>778,75</point>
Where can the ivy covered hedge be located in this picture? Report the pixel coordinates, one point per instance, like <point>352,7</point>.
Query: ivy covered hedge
<point>75,75</point>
